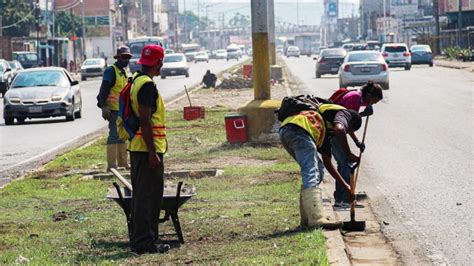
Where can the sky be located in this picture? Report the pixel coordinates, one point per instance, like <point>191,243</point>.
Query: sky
<point>308,12</point>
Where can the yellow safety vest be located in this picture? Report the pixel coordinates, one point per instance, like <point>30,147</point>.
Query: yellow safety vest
<point>326,107</point>
<point>121,80</point>
<point>157,119</point>
<point>312,122</point>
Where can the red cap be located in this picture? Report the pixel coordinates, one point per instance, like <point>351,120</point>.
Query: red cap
<point>151,54</point>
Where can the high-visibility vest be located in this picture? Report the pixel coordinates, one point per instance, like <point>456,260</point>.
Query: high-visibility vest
<point>312,122</point>
<point>157,119</point>
<point>121,80</point>
<point>327,107</point>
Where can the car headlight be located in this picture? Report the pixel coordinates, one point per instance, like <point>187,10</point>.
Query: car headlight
<point>57,98</point>
<point>14,100</point>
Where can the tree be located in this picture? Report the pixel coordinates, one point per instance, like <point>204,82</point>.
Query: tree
<point>21,14</point>
<point>64,24</point>
<point>240,21</point>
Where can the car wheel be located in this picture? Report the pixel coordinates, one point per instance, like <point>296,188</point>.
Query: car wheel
<point>83,78</point>
<point>71,116</point>
<point>78,114</point>
<point>9,121</point>
<point>20,120</point>
<point>318,75</point>
<point>187,74</point>
<point>163,76</point>
<point>431,64</point>
<point>386,86</point>
<point>407,67</point>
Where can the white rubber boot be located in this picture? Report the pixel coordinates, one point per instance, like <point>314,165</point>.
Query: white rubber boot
<point>313,207</point>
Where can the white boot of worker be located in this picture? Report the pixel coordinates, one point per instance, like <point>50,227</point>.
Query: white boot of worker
<point>313,207</point>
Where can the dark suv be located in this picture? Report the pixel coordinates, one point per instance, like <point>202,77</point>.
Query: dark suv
<point>329,61</point>
<point>27,59</point>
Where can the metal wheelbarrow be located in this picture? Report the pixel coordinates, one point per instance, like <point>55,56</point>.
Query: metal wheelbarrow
<point>174,196</point>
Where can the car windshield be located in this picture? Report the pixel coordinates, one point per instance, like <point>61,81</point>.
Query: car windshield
<point>137,47</point>
<point>28,57</point>
<point>1,67</point>
<point>173,58</point>
<point>202,53</point>
<point>92,62</point>
<point>338,52</point>
<point>220,51</point>
<point>395,49</point>
<point>358,57</point>
<point>39,79</point>
<point>232,50</point>
<point>420,48</point>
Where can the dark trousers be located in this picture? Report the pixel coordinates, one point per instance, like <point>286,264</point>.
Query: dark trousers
<point>147,186</point>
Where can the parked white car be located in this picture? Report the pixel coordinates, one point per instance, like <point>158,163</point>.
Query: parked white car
<point>93,67</point>
<point>293,51</point>
<point>397,55</point>
<point>361,66</point>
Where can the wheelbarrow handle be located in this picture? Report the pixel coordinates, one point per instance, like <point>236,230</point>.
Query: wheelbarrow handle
<point>121,178</point>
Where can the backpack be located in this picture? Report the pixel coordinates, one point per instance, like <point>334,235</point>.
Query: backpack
<point>337,95</point>
<point>292,105</point>
<point>128,122</point>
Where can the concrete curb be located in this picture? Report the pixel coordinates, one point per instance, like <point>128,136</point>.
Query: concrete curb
<point>454,65</point>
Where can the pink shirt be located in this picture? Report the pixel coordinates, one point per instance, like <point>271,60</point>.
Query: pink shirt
<point>351,100</point>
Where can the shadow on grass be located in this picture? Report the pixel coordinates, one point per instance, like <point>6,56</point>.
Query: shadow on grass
<point>286,233</point>
<point>106,251</point>
<point>227,146</point>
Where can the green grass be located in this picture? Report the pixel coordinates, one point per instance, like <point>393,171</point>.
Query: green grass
<point>247,216</point>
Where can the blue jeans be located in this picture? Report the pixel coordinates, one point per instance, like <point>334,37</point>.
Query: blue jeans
<point>342,167</point>
<point>113,135</point>
<point>302,148</point>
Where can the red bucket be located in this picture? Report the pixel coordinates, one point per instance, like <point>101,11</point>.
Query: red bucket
<point>193,112</point>
<point>236,128</point>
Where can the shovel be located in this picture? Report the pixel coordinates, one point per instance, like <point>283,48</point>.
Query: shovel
<point>354,225</point>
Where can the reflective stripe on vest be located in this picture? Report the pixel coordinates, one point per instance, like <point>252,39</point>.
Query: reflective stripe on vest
<point>312,122</point>
<point>157,119</point>
<point>120,82</point>
<point>327,107</point>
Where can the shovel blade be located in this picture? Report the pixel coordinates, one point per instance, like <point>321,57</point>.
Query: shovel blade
<point>354,226</point>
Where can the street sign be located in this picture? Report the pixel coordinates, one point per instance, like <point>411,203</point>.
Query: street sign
<point>332,9</point>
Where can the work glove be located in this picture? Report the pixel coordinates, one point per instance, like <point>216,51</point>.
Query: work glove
<point>106,114</point>
<point>360,145</point>
<point>368,111</point>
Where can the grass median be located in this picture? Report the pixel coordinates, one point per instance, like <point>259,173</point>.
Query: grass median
<point>249,215</point>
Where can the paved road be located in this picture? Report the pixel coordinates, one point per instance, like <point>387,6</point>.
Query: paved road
<point>20,143</point>
<point>417,168</point>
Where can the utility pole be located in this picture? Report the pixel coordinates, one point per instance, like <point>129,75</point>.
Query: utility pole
<point>271,30</point>
<point>83,26</point>
<point>73,39</point>
<point>1,30</point>
<point>37,12</point>
<point>261,78</point>
<point>184,23</point>
<point>297,13</point>
<point>460,41</point>
<point>150,22</point>
<point>384,20</point>
<point>437,30</point>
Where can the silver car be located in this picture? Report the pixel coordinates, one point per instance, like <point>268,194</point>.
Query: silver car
<point>361,66</point>
<point>93,67</point>
<point>41,93</point>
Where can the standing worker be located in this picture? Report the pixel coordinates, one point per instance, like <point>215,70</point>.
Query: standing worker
<point>146,153</point>
<point>115,78</point>
<point>304,135</point>
<point>369,94</point>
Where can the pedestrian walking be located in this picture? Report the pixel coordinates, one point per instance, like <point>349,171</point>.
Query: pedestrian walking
<point>146,153</point>
<point>368,95</point>
<point>114,79</point>
<point>308,133</point>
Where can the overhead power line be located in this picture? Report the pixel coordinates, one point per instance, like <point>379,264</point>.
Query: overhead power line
<point>20,21</point>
